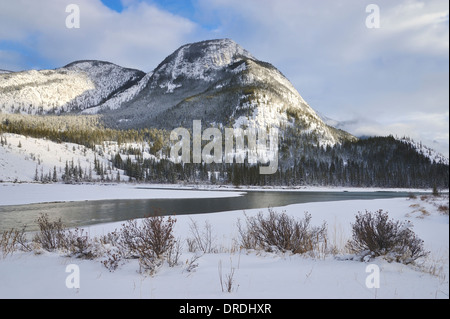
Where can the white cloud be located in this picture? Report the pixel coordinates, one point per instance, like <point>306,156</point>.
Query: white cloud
<point>141,36</point>
<point>418,26</point>
<point>429,128</point>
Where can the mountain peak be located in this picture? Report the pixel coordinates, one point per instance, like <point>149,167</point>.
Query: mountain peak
<point>223,49</point>
<point>220,52</point>
<point>201,59</point>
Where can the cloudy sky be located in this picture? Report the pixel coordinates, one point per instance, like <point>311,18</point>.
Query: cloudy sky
<point>392,79</point>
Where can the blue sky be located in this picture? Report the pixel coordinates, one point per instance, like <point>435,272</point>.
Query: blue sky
<point>115,5</point>
<point>388,80</point>
<point>179,7</point>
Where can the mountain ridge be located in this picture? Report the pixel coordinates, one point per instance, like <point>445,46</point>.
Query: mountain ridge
<point>72,88</point>
<point>216,81</point>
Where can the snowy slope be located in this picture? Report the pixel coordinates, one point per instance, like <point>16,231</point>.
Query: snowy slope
<point>22,157</point>
<point>120,98</point>
<point>75,87</point>
<point>426,151</point>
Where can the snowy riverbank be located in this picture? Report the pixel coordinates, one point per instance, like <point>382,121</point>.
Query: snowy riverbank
<point>256,274</point>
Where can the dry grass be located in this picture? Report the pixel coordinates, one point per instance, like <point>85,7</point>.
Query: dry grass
<point>443,209</point>
<point>226,281</point>
<point>430,205</point>
<point>436,264</point>
<point>338,239</point>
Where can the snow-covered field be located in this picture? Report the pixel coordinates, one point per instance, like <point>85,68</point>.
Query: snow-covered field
<point>255,274</point>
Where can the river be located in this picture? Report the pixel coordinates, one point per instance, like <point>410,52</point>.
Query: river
<point>84,213</point>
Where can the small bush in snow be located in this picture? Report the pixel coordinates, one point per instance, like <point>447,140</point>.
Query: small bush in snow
<point>113,259</point>
<point>51,235</point>
<point>150,240</point>
<point>281,232</point>
<point>373,234</point>
<point>12,240</point>
<point>114,251</point>
<point>201,240</point>
<point>78,244</point>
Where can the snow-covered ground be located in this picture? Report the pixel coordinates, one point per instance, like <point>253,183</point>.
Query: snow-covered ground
<point>22,158</point>
<point>256,274</point>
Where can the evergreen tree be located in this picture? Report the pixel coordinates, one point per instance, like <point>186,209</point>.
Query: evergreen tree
<point>55,176</point>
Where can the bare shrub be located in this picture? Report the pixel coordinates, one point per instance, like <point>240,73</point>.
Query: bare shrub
<point>113,250</point>
<point>281,232</point>
<point>201,239</point>
<point>78,244</point>
<point>51,235</point>
<point>373,234</point>
<point>113,259</point>
<point>12,240</point>
<point>443,209</point>
<point>226,281</point>
<point>192,264</point>
<point>174,253</point>
<point>412,196</point>
<point>110,239</point>
<point>149,240</point>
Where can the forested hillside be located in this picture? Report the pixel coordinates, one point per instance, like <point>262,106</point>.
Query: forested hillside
<point>144,156</point>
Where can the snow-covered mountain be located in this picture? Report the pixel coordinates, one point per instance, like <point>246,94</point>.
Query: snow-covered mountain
<point>72,88</point>
<point>220,83</point>
<point>216,81</point>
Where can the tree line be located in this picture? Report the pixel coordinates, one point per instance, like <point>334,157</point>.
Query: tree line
<point>371,162</point>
